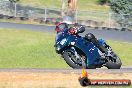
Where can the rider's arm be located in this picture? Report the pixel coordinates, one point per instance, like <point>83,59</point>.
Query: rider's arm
<point>76,29</point>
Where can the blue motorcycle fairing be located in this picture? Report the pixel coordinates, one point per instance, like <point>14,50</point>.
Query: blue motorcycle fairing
<point>61,35</point>
<point>66,44</point>
<point>89,49</point>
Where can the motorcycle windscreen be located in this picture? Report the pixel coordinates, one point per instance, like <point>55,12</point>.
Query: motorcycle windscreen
<point>62,34</point>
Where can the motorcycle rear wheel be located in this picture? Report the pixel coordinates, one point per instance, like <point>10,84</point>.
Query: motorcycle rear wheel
<point>114,63</point>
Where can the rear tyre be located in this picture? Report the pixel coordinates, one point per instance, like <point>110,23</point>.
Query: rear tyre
<point>114,62</point>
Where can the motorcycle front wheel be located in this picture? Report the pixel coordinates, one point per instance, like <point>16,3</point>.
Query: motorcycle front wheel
<point>73,61</point>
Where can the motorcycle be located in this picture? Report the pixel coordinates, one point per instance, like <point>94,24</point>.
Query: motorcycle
<point>79,52</point>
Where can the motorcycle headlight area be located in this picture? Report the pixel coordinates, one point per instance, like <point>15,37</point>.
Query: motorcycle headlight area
<point>63,41</point>
<point>58,48</point>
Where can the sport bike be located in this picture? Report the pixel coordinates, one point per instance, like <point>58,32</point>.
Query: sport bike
<point>79,52</point>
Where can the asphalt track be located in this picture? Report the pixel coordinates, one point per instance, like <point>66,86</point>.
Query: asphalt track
<point>69,70</point>
<point>125,36</point>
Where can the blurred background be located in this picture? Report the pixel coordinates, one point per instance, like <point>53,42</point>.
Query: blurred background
<point>94,13</point>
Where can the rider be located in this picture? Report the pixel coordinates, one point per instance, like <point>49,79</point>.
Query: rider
<point>75,29</point>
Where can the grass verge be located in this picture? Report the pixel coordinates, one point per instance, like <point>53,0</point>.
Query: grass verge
<point>24,22</point>
<point>30,49</point>
<point>81,4</point>
<point>123,50</point>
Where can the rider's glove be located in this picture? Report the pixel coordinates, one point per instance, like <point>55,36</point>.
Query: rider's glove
<point>72,31</point>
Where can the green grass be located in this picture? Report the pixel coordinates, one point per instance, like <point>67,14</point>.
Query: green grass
<point>27,49</point>
<point>24,22</point>
<point>93,16</point>
<point>124,51</point>
<point>31,49</point>
<point>42,3</point>
<point>91,5</point>
<point>81,5</point>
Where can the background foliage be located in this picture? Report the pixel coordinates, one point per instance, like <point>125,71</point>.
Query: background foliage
<point>122,10</point>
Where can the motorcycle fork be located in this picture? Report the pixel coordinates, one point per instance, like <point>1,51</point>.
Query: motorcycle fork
<point>76,54</point>
<point>82,57</point>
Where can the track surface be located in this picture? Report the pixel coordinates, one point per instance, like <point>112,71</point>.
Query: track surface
<point>124,36</point>
<point>66,71</point>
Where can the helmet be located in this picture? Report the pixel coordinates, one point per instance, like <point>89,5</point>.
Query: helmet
<point>60,26</point>
<point>89,36</point>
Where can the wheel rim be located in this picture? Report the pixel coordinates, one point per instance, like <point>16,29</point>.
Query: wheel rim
<point>75,60</point>
<point>114,58</point>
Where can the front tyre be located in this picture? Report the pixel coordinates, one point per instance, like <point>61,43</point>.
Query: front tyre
<point>114,62</point>
<point>72,60</point>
